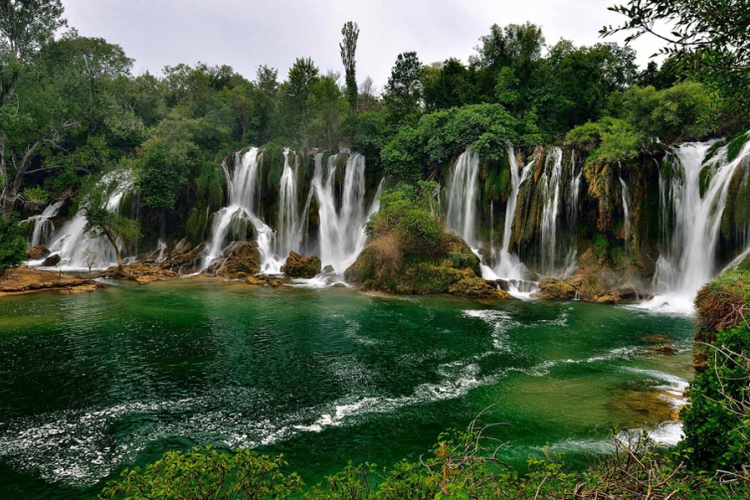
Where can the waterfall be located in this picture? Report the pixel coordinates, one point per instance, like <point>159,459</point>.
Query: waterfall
<point>626,209</point>
<point>289,234</point>
<point>550,185</point>
<point>575,189</point>
<point>462,188</point>
<point>230,223</point>
<point>509,265</point>
<point>43,226</point>
<point>79,251</point>
<point>688,259</point>
<point>342,232</point>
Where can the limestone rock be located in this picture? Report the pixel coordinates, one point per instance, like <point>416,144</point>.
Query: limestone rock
<point>257,280</point>
<point>297,266</point>
<point>242,260</point>
<point>52,260</point>
<point>38,252</point>
<point>477,288</point>
<point>553,289</point>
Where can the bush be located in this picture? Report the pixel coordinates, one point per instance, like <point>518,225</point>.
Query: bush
<point>12,246</point>
<point>207,473</point>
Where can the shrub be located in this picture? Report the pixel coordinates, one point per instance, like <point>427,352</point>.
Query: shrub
<point>12,246</point>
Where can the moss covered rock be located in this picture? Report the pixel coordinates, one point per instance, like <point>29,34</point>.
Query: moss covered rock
<point>477,288</point>
<point>38,252</point>
<point>550,288</point>
<point>242,260</point>
<point>297,266</point>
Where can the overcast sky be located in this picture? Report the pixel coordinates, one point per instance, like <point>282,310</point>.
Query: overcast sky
<point>247,33</point>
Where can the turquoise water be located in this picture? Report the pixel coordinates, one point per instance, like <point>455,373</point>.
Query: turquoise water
<point>92,383</point>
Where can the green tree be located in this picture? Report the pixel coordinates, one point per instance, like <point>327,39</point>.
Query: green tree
<point>101,220</point>
<point>348,50</point>
<point>709,38</point>
<point>27,25</point>
<point>403,93</point>
<point>12,246</point>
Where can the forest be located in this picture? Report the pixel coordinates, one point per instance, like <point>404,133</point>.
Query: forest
<point>532,169</point>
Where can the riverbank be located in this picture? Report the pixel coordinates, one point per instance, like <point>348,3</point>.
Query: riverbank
<point>25,280</point>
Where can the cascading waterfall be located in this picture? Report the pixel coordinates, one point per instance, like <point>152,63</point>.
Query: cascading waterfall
<point>575,189</point>
<point>626,210</point>
<point>229,223</point>
<point>688,258</point>
<point>462,189</point>
<point>509,266</point>
<point>79,251</point>
<point>43,226</point>
<point>289,233</point>
<point>342,232</point>
<point>550,184</point>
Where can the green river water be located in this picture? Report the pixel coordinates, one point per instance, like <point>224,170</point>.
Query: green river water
<point>92,383</point>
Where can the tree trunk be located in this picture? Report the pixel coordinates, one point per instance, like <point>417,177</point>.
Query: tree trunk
<point>117,249</point>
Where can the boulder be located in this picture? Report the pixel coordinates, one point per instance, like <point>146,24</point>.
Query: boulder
<point>257,280</point>
<point>477,288</point>
<point>38,252</point>
<point>328,269</point>
<point>242,260</point>
<point>297,266</point>
<point>52,260</point>
<point>500,284</point>
<point>553,289</point>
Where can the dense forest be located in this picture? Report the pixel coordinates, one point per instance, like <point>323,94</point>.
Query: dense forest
<point>72,114</point>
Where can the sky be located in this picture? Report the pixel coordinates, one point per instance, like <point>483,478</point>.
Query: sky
<point>247,33</point>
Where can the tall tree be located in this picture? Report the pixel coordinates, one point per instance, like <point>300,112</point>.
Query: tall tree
<point>26,25</point>
<point>403,93</point>
<point>348,49</point>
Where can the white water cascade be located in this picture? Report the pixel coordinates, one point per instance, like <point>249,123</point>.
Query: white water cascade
<point>626,209</point>
<point>509,266</point>
<point>550,184</point>
<point>244,198</point>
<point>79,251</point>
<point>289,234</point>
<point>43,226</point>
<point>575,190</point>
<point>342,226</point>
<point>461,193</point>
<point>689,259</point>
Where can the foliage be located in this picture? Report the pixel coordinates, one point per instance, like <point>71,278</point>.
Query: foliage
<point>709,39</point>
<point>735,145</point>
<point>207,473</point>
<point>403,93</point>
<point>348,50</point>
<point>676,114</point>
<point>405,213</point>
<point>26,25</point>
<point>12,245</point>
<point>610,139</point>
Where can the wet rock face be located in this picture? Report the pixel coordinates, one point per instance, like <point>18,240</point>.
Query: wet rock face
<point>51,261</point>
<point>38,252</point>
<point>297,266</point>
<point>242,260</point>
<point>553,289</point>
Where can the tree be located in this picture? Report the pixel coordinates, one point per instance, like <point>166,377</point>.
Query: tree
<point>102,221</point>
<point>348,49</point>
<point>27,25</point>
<point>403,93</point>
<point>12,246</point>
<point>710,38</point>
